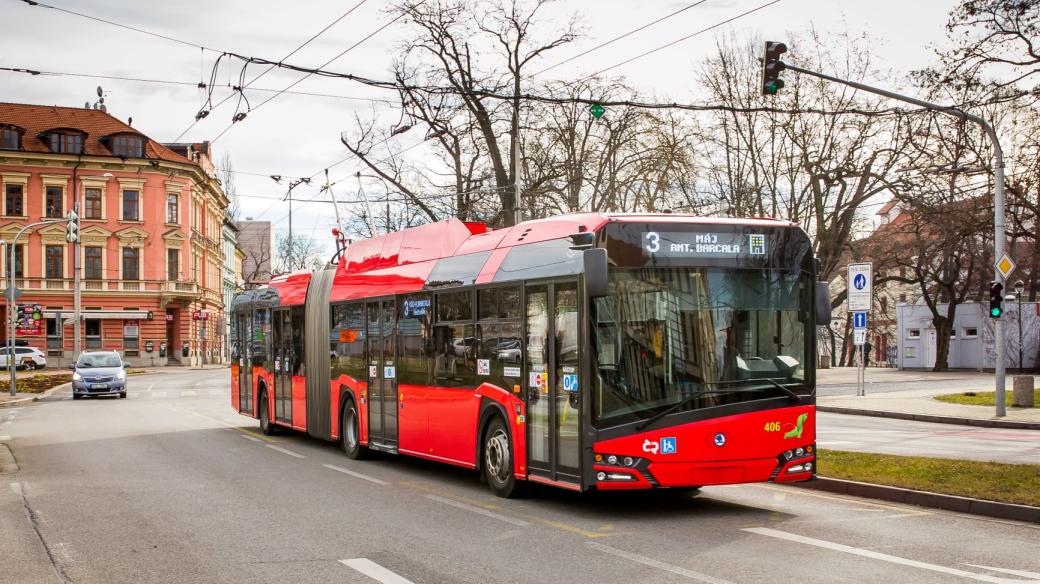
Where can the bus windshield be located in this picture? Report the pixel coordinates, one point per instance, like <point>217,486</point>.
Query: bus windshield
<point>690,338</point>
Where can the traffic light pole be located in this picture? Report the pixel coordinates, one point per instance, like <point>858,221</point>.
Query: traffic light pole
<point>998,203</point>
<point>12,305</point>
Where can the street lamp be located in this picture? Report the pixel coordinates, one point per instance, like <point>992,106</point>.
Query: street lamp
<point>1020,287</point>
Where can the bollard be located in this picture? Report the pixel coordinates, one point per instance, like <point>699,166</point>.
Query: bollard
<point>1023,396</point>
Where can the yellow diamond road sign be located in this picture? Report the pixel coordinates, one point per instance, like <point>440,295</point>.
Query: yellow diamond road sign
<point>1005,265</point>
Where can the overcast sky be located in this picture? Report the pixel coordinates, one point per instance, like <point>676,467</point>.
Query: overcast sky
<point>297,135</point>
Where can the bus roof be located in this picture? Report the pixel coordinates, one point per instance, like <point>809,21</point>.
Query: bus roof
<point>402,261</point>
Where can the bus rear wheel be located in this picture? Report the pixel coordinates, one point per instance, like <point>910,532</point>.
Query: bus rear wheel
<point>350,432</point>
<point>498,460</point>
<point>265,420</point>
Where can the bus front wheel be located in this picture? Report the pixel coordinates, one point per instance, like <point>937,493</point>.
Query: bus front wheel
<point>350,432</point>
<point>498,460</point>
<point>265,420</point>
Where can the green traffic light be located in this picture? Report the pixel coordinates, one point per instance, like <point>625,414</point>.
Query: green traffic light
<point>773,87</point>
<point>995,312</point>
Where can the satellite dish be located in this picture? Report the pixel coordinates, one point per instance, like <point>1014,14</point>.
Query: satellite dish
<point>99,91</point>
<point>103,108</point>
<point>102,100</point>
<point>87,105</point>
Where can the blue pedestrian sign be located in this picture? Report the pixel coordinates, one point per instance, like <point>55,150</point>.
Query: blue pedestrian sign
<point>859,295</point>
<point>860,281</point>
<point>859,320</point>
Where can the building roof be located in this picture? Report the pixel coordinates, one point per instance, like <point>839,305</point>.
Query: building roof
<point>36,119</point>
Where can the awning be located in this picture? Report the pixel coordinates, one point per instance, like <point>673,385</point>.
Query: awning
<point>100,314</point>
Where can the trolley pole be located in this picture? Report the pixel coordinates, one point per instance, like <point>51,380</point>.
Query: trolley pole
<point>998,203</point>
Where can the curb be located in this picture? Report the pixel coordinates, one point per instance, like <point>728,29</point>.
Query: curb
<point>985,423</point>
<point>925,499</point>
<point>28,400</point>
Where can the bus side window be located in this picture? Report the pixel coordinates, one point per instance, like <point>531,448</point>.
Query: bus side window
<point>454,361</point>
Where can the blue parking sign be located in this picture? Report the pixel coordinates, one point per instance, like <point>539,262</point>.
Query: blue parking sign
<point>668,445</point>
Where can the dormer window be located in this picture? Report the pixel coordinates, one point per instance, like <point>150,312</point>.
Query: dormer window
<point>65,142</point>
<point>11,137</point>
<point>128,146</point>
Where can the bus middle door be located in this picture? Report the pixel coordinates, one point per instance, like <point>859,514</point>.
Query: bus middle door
<point>382,375</point>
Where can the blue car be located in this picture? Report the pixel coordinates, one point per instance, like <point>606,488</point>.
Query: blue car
<point>99,373</point>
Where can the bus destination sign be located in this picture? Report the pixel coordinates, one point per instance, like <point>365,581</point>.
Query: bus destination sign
<point>709,245</point>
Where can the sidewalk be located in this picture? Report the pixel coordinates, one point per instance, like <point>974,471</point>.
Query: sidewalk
<point>920,405</point>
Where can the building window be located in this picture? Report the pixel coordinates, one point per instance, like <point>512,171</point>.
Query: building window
<point>54,347</point>
<point>128,147</point>
<point>66,143</point>
<point>93,332</point>
<point>172,208</point>
<point>92,263</point>
<point>131,263</point>
<point>55,203</point>
<point>10,139</point>
<point>970,333</point>
<point>130,206</point>
<point>173,265</point>
<point>55,255</point>
<point>913,333</point>
<point>92,204</point>
<point>19,261</point>
<point>14,200</point>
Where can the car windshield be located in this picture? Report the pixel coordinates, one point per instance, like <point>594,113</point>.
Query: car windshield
<point>691,338</point>
<point>90,361</point>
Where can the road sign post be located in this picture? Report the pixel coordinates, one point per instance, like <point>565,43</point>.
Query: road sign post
<point>860,284</point>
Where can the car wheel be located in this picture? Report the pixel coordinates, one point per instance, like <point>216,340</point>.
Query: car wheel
<point>498,460</point>
<point>122,394</point>
<point>265,421</point>
<point>76,396</point>
<point>30,365</point>
<point>350,432</point>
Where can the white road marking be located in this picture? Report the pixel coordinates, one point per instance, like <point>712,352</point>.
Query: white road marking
<point>13,410</point>
<point>5,438</point>
<point>375,571</point>
<point>678,570</point>
<point>252,438</point>
<point>478,510</point>
<point>356,474</point>
<point>876,555</point>
<point>284,451</point>
<point>158,394</point>
<point>188,393</point>
<point>1022,573</point>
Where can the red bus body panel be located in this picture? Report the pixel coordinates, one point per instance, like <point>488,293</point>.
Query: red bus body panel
<point>749,452</point>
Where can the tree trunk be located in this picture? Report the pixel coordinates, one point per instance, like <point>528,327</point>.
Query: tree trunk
<point>943,326</point>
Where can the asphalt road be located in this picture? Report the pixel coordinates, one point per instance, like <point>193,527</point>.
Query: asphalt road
<point>172,486</point>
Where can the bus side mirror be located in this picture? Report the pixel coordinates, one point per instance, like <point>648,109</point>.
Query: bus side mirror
<point>823,304</point>
<point>596,282</point>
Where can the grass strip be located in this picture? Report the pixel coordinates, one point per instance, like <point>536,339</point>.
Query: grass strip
<point>992,481</point>
<point>982,398</point>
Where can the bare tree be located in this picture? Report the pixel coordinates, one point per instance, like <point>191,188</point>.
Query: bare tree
<point>305,253</point>
<point>226,174</point>
<point>994,38</point>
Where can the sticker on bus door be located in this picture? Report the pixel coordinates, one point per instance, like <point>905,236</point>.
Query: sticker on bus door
<point>373,371</point>
<point>570,382</point>
<point>483,366</point>
<point>389,372</point>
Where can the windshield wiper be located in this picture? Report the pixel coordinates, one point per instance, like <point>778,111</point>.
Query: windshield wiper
<point>783,388</point>
<point>677,405</point>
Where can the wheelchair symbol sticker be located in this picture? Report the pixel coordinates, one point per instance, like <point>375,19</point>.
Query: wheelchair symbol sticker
<point>668,445</point>
<point>570,383</point>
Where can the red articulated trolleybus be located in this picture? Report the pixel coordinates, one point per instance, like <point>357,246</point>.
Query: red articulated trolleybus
<point>586,351</point>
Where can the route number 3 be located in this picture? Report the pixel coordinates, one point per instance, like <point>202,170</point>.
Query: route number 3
<point>772,427</point>
<point>653,242</point>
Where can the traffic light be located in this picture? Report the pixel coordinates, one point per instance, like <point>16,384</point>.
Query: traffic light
<point>72,227</point>
<point>996,299</point>
<point>772,66</point>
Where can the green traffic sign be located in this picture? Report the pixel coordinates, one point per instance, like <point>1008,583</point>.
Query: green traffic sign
<point>596,110</point>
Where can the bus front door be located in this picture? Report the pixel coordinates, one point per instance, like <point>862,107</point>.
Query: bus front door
<point>553,382</point>
<point>382,375</point>
<point>282,326</point>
